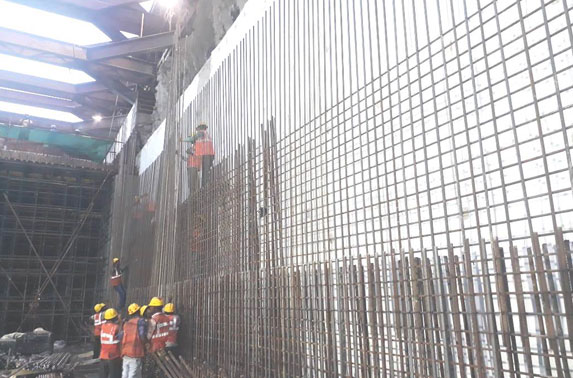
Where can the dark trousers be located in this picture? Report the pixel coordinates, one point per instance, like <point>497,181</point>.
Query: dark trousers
<point>96,342</point>
<point>173,349</point>
<point>122,296</point>
<point>193,179</point>
<point>110,368</point>
<point>206,164</point>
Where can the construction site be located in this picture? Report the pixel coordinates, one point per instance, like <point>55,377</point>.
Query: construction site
<point>286,188</point>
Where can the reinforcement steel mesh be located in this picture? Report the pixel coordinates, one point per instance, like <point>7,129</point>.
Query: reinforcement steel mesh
<point>391,192</point>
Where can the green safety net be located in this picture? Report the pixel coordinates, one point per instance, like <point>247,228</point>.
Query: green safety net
<point>77,145</point>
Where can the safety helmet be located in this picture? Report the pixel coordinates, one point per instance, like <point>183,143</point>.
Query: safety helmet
<point>156,302</point>
<point>98,307</point>
<point>169,308</point>
<point>115,259</point>
<point>110,314</point>
<point>202,126</point>
<point>132,309</point>
<point>142,310</point>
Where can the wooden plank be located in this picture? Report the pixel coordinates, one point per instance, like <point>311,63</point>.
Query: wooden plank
<point>504,308</point>
<point>454,305</point>
<point>566,284</point>
<point>544,293</point>
<point>523,329</point>
<point>556,309</point>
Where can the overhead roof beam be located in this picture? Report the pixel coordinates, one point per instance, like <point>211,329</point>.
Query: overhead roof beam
<point>47,87</point>
<point>26,98</point>
<point>61,53</point>
<point>129,47</point>
<point>46,123</point>
<point>104,14</point>
<point>99,4</point>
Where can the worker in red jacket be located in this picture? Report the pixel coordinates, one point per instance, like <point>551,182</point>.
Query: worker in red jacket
<point>132,343</point>
<point>174,323</point>
<point>204,149</point>
<point>110,355</point>
<point>98,321</point>
<point>159,330</point>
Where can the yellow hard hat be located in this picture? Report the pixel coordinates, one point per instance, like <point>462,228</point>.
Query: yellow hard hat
<point>98,307</point>
<point>156,302</point>
<point>110,314</point>
<point>133,308</point>
<point>142,310</point>
<point>115,259</point>
<point>169,308</point>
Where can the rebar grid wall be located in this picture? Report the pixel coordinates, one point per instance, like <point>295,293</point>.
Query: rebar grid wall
<point>390,185</point>
<point>44,206</point>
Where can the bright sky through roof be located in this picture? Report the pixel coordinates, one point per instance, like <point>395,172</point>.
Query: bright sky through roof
<point>38,112</point>
<point>49,25</point>
<point>44,70</point>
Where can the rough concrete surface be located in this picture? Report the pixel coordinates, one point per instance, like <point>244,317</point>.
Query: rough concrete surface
<point>212,20</point>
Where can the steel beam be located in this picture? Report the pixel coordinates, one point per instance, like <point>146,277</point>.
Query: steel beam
<point>129,47</point>
<point>99,4</point>
<point>45,123</point>
<point>105,17</point>
<point>32,99</point>
<point>60,53</point>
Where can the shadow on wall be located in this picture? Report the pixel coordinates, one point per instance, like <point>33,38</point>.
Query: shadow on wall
<point>212,20</point>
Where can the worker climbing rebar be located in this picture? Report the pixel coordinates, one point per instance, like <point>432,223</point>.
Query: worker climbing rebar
<point>204,150</point>
<point>117,283</point>
<point>193,168</point>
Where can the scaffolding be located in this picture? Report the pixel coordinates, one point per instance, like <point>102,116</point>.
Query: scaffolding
<point>53,231</point>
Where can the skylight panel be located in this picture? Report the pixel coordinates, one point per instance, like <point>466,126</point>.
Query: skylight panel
<point>43,70</point>
<point>45,24</point>
<point>38,112</point>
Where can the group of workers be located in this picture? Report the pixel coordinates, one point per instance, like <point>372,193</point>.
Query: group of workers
<point>123,345</point>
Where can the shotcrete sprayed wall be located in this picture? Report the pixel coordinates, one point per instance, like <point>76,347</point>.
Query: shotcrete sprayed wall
<point>211,21</point>
<point>391,192</point>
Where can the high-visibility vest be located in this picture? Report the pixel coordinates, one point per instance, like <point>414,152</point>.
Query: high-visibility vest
<point>204,145</point>
<point>131,344</point>
<point>110,348</point>
<point>98,322</point>
<point>174,322</point>
<point>194,161</point>
<point>159,336</point>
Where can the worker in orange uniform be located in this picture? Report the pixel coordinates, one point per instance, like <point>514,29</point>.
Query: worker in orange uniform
<point>97,320</point>
<point>110,355</point>
<point>117,283</point>
<point>204,149</point>
<point>132,343</point>
<point>158,330</point>
<point>193,168</point>
<point>174,323</point>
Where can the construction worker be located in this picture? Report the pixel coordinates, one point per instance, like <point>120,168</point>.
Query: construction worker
<point>204,149</point>
<point>110,355</point>
<point>158,330</point>
<point>174,322</point>
<point>193,168</point>
<point>132,343</point>
<point>117,283</point>
<point>98,320</point>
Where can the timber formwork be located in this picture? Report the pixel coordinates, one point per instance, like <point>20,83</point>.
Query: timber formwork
<point>53,219</point>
